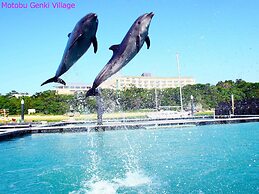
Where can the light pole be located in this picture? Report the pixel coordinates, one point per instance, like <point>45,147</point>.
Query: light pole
<point>156,99</point>
<point>22,110</point>
<point>192,105</point>
<point>179,81</point>
<point>233,104</point>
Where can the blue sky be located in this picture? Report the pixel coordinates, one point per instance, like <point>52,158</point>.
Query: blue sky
<point>217,40</point>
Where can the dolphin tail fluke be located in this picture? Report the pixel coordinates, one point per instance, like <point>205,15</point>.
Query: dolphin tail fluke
<point>91,92</point>
<point>54,79</point>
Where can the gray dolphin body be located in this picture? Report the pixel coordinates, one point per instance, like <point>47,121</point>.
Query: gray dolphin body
<point>124,52</point>
<point>80,39</point>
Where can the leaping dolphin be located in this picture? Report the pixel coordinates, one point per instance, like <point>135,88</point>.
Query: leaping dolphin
<point>124,52</point>
<point>80,39</point>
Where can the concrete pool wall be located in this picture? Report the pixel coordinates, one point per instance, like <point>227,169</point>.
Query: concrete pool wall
<point>12,131</point>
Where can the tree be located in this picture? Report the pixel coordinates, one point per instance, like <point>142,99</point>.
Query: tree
<point>206,95</point>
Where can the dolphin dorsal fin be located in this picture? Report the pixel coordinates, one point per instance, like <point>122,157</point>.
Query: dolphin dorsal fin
<point>69,34</point>
<point>147,40</point>
<point>114,48</point>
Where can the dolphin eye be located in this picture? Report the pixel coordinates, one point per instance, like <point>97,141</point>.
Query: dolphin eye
<point>138,22</point>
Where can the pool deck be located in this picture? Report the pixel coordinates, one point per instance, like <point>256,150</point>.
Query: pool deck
<point>12,131</point>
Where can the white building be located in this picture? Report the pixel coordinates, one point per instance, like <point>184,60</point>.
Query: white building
<point>72,88</point>
<point>145,81</point>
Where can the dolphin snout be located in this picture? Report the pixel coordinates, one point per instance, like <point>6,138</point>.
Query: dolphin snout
<point>92,15</point>
<point>95,15</point>
<point>151,14</point>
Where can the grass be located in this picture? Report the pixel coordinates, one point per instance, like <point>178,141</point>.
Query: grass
<point>83,117</point>
<point>205,113</point>
<point>56,118</point>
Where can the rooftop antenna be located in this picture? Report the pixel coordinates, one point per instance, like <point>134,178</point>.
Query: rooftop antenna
<point>179,81</point>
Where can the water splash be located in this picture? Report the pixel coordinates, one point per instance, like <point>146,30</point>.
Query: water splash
<point>101,186</point>
<point>130,160</point>
<point>95,159</point>
<point>132,179</point>
<point>130,176</point>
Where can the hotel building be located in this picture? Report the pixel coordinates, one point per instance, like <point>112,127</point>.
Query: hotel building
<point>145,81</point>
<point>72,88</point>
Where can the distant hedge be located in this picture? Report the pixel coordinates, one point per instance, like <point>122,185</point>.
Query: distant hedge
<point>241,107</point>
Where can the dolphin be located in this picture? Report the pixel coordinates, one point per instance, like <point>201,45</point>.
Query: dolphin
<point>80,39</point>
<point>125,51</point>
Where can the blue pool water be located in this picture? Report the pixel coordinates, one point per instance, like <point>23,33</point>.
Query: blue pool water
<point>204,159</point>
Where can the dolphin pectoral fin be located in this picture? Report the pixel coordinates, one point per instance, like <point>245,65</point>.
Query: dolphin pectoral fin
<point>138,43</point>
<point>147,40</point>
<point>95,44</point>
<point>54,79</point>
<point>69,34</point>
<point>114,48</point>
